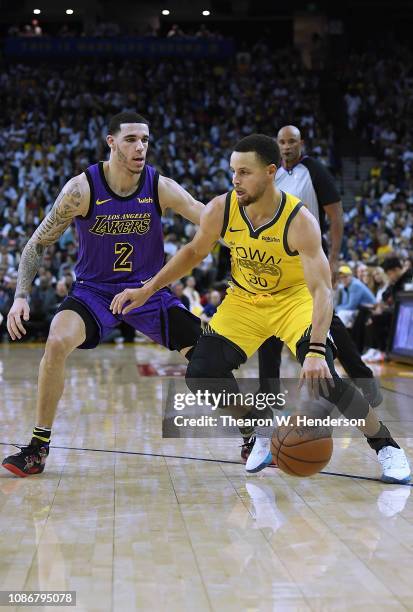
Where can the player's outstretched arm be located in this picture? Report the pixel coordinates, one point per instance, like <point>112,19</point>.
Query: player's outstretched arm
<point>184,261</point>
<point>172,195</point>
<point>304,236</point>
<point>72,201</point>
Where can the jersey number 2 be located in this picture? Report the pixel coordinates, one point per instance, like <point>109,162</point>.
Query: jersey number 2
<point>123,263</point>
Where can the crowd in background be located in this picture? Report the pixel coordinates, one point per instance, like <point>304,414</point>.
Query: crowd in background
<point>54,122</point>
<point>106,29</point>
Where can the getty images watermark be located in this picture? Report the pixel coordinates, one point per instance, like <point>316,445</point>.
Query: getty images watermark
<point>222,399</point>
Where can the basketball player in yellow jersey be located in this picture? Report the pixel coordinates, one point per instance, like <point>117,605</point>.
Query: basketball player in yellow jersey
<point>280,286</point>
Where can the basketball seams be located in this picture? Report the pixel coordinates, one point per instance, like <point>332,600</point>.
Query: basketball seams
<point>298,443</point>
<point>287,470</point>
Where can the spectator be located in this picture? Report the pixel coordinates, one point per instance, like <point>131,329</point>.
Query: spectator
<point>205,273</point>
<point>43,306</point>
<point>380,283</point>
<point>60,293</point>
<point>378,328</point>
<point>388,196</point>
<point>6,300</point>
<point>211,306</point>
<point>398,275</point>
<point>178,289</point>
<point>7,293</point>
<point>170,245</point>
<point>384,247</point>
<point>354,294</point>
<point>193,296</point>
<point>353,103</point>
<point>175,32</point>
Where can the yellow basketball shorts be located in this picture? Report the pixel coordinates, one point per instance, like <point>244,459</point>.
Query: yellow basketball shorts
<point>248,320</point>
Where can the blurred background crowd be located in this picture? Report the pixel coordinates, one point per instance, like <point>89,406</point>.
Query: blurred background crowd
<point>54,124</point>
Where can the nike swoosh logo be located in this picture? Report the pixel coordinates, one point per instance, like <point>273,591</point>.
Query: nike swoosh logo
<point>99,202</point>
<point>236,230</point>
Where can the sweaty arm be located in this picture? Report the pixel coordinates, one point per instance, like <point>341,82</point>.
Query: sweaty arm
<point>172,195</point>
<point>184,261</point>
<point>72,201</point>
<point>304,236</point>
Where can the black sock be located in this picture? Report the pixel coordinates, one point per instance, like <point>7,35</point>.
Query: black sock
<point>381,439</point>
<point>41,435</point>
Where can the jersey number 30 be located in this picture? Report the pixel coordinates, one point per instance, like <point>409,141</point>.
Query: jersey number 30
<point>123,263</point>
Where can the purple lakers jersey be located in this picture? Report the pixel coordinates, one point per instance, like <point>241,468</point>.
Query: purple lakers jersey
<point>120,239</point>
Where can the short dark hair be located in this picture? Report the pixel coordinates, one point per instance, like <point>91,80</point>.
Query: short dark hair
<point>265,147</point>
<point>391,263</point>
<point>125,117</point>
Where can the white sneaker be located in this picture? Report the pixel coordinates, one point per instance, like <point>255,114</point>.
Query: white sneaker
<point>376,357</point>
<point>394,464</point>
<point>260,455</point>
<point>368,354</point>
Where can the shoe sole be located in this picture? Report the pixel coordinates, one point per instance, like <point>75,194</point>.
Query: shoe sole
<point>244,461</point>
<point>261,466</point>
<point>17,472</point>
<point>391,480</point>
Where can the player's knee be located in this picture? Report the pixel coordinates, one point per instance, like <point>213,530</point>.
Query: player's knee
<point>203,371</point>
<point>214,356</point>
<point>196,368</point>
<point>58,346</point>
<point>211,364</point>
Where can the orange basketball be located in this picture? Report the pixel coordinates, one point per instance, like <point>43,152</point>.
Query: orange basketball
<point>301,451</point>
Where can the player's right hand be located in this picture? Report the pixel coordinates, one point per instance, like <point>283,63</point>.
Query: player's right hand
<point>316,374</point>
<point>134,298</point>
<point>15,325</point>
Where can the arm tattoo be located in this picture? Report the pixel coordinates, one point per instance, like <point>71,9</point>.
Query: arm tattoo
<point>29,265</point>
<point>66,207</point>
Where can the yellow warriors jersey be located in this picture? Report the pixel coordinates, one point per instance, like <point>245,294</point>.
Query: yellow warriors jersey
<point>261,261</point>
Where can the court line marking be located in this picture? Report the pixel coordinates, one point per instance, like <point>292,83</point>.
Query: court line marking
<point>206,459</point>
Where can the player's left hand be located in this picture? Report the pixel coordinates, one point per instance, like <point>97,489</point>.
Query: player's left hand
<point>135,297</point>
<point>315,373</point>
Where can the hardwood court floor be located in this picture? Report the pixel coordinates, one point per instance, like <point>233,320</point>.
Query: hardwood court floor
<point>128,523</point>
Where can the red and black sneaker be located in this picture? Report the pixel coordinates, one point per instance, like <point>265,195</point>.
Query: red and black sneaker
<point>30,460</point>
<point>247,447</point>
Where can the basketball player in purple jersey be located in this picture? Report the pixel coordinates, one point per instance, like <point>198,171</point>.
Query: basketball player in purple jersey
<point>117,208</point>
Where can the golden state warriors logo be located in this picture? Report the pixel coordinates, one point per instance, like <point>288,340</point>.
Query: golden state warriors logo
<point>259,269</point>
<point>129,223</point>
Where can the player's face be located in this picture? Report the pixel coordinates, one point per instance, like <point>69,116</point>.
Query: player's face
<point>130,146</point>
<point>290,146</point>
<point>250,177</point>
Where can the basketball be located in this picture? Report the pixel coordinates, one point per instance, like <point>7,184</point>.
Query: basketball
<point>301,451</point>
